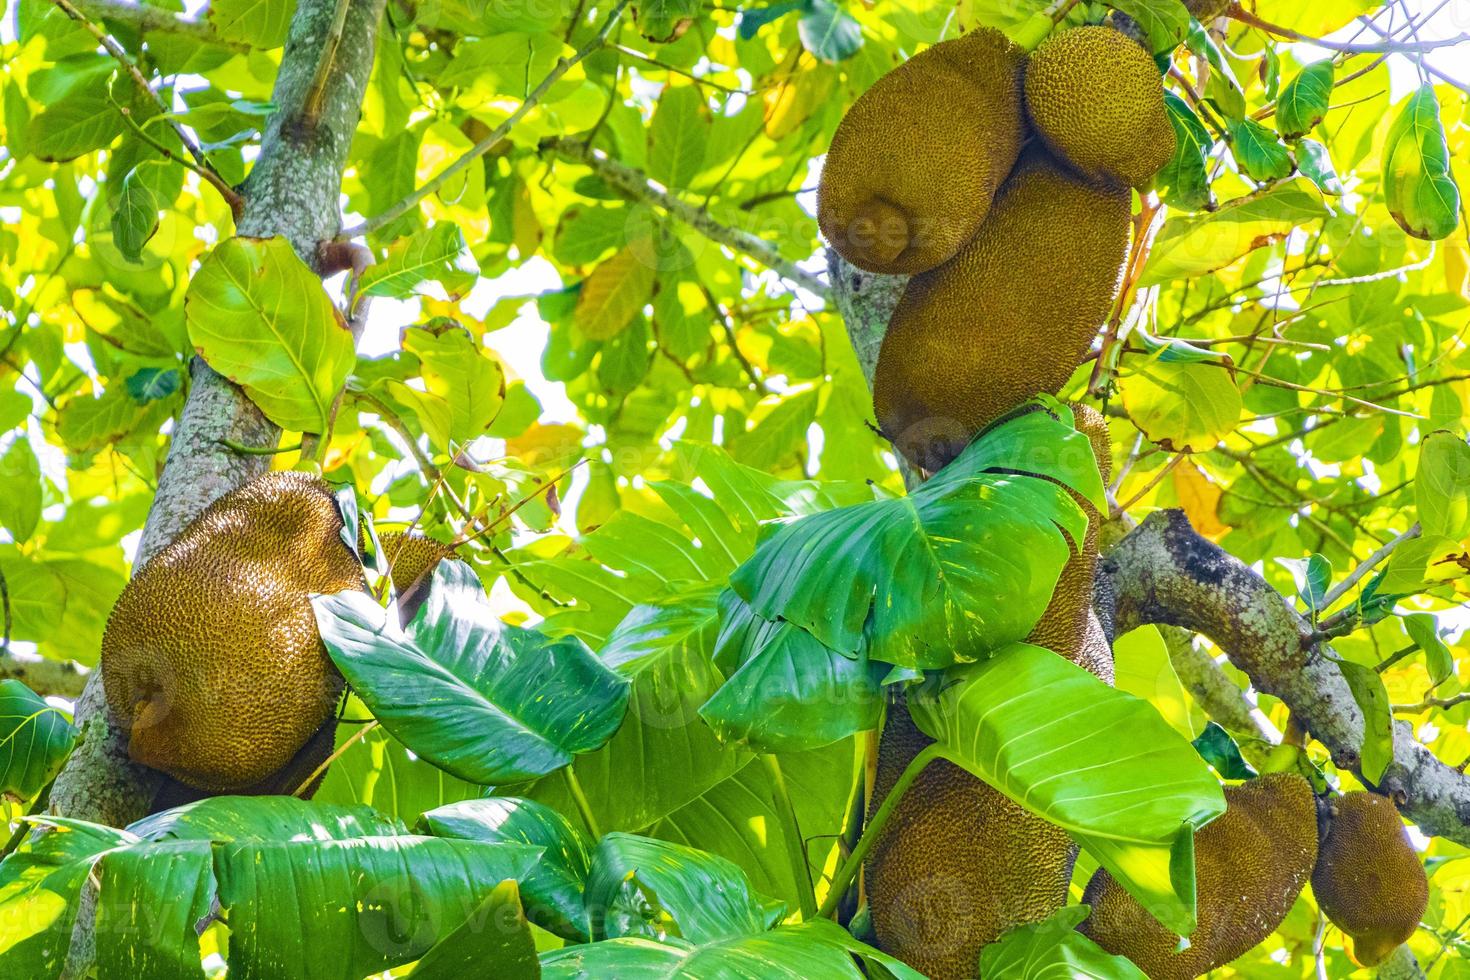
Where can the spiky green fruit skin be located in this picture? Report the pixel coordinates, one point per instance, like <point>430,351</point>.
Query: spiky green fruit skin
<point>211,657</point>
<point>1097,99</point>
<point>913,166</point>
<point>1250,863</point>
<point>1369,881</point>
<point>1009,317</point>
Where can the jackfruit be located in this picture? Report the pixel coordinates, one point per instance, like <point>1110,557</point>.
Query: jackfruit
<point>1250,864</point>
<point>1205,11</point>
<point>1369,881</point>
<point>958,864</point>
<point>913,166</point>
<point>1097,100</point>
<point>211,656</point>
<point>1010,316</point>
<point>412,559</point>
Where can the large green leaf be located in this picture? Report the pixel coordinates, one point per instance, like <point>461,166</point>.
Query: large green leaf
<point>464,385</point>
<point>553,889</point>
<point>149,910</point>
<point>486,702</point>
<point>810,950</point>
<point>39,885</point>
<point>956,569</point>
<point>1103,765</point>
<point>790,692</point>
<point>495,940</point>
<point>1054,948</point>
<point>435,254</point>
<point>638,886</point>
<point>356,906</point>
<point>35,740</point>
<point>260,317</point>
<point>1418,185</point>
<point>264,818</point>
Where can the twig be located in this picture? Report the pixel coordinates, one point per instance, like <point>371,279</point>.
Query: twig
<point>563,65</point>
<point>636,185</point>
<point>1372,561</point>
<point>233,199</point>
<point>337,754</point>
<point>147,19</point>
<point>1378,47</point>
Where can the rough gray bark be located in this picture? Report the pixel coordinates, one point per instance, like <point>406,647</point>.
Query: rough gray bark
<point>293,192</point>
<point>1163,572</point>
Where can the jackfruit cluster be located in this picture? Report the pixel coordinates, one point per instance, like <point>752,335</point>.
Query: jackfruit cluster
<point>1250,865</point>
<point>1095,97</point>
<point>1369,881</point>
<point>960,863</point>
<point>993,326</point>
<point>913,166</point>
<point>211,657</point>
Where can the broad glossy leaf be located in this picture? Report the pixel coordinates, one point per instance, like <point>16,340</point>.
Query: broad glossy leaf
<point>260,317</point>
<point>956,569</point>
<point>678,134</point>
<point>1192,246</point>
<point>134,218</point>
<point>35,740</point>
<point>495,940</point>
<point>829,32</point>
<point>638,886</point>
<point>552,891</point>
<point>1099,763</point>
<point>1260,154</point>
<point>487,702</point>
<point>357,906</point>
<point>152,900</point>
<point>1372,698</point>
<point>39,885</point>
<point>1305,99</point>
<point>1054,948</point>
<point>1418,185</point>
<point>463,386</point>
<point>810,950</point>
<point>1185,180</point>
<point>1164,22</point>
<point>1442,486</point>
<point>788,691</point>
<point>264,818</point>
<point>1185,407</point>
<point>80,123</point>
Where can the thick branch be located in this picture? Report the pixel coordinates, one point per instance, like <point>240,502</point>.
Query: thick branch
<point>1164,572</point>
<point>292,192</point>
<point>637,186</point>
<point>145,19</point>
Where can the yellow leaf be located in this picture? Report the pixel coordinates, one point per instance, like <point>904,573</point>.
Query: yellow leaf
<point>1185,407</point>
<point>1200,500</point>
<point>614,293</point>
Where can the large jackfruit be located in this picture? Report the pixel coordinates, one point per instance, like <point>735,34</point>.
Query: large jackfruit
<point>1010,316</point>
<point>960,863</point>
<point>913,166</point>
<point>1369,881</point>
<point>1097,100</point>
<point>1250,864</point>
<point>211,656</point>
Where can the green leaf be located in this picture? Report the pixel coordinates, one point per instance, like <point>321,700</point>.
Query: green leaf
<point>614,293</point>
<point>356,906</point>
<point>1165,22</point>
<point>153,384</point>
<point>378,771</point>
<point>1305,100</point>
<point>80,123</point>
<point>639,886</point>
<point>809,950</point>
<point>437,254</point>
<point>787,691</point>
<point>1418,186</point>
<point>553,888</point>
<point>259,23</point>
<point>484,701</point>
<point>149,910</point>
<point>662,21</point>
<point>464,385</point>
<point>1312,575</point>
<point>495,940</point>
<point>512,63</point>
<point>1099,763</point>
<point>39,886</point>
<point>260,317</point>
<point>1184,179</point>
<point>1315,163</point>
<point>1223,89</point>
<point>956,569</point>
<point>678,135</point>
<point>35,740</point>
<point>1442,486</point>
<point>264,818</point>
<point>829,32</point>
<point>1188,247</point>
<point>20,504</point>
<point>1372,697</point>
<point>1054,948</point>
<point>1216,747</point>
<point>1186,407</point>
<point>1260,154</point>
<point>588,233</point>
<point>1423,629</point>
<point>134,217</point>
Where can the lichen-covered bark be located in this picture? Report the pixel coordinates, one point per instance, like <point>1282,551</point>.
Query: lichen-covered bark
<point>293,192</point>
<point>1163,572</point>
